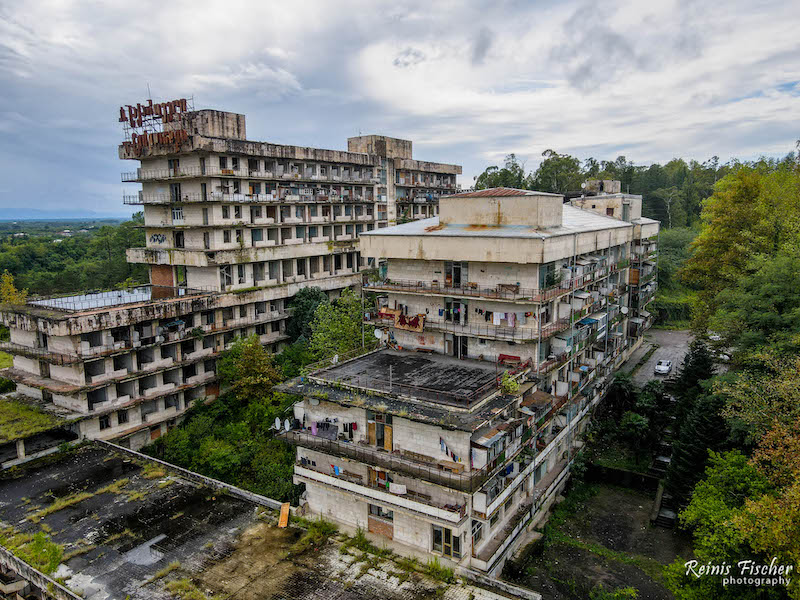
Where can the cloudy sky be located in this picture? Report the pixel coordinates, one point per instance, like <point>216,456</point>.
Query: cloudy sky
<point>467,82</point>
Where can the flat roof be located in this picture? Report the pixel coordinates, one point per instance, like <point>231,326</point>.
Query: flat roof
<point>347,385</point>
<point>427,376</point>
<point>128,528</point>
<point>500,192</point>
<point>108,299</point>
<point>574,220</point>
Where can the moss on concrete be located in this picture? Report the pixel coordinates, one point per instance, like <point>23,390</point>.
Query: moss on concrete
<point>19,420</point>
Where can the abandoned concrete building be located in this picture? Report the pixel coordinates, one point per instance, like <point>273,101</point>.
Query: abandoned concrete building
<point>504,319</point>
<point>234,229</point>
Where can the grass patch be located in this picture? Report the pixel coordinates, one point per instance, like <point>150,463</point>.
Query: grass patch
<point>360,542</point>
<point>153,471</point>
<point>19,420</point>
<point>161,573</point>
<point>78,552</point>
<point>73,499</point>
<point>616,456</point>
<point>436,570</point>
<point>38,550</point>
<point>316,535</point>
<point>6,360</point>
<point>186,590</point>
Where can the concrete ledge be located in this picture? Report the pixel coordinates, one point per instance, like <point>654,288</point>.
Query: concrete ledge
<point>50,586</point>
<point>202,479</point>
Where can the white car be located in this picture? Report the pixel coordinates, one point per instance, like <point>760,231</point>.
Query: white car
<point>663,367</point>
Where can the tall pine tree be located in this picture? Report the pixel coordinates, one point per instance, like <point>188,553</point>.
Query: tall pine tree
<point>704,429</point>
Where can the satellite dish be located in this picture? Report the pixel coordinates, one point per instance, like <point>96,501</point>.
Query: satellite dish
<point>314,401</point>
<point>287,425</point>
<point>278,423</point>
<point>624,310</point>
<point>583,186</point>
<point>377,333</point>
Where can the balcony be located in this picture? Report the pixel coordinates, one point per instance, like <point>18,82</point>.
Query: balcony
<point>242,172</point>
<point>503,292</point>
<point>394,461</point>
<point>415,501</point>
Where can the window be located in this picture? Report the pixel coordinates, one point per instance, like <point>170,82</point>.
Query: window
<point>242,311</point>
<point>204,192</point>
<point>226,212</point>
<point>258,271</point>
<point>237,212</point>
<point>299,232</point>
<point>445,542</point>
<point>509,504</point>
<point>105,422</point>
<point>177,214</point>
<point>240,273</point>
<point>610,211</point>
<point>235,163</point>
<point>312,211</point>
<point>312,232</point>
<point>494,519</point>
<point>257,235</point>
<point>179,241</point>
<point>380,512</point>
<point>477,531</point>
<point>225,275</point>
<point>206,240</point>
<point>255,212</point>
<point>301,266</point>
<point>223,162</point>
<point>238,236</point>
<point>298,212</point>
<point>174,192</point>
<point>122,417</point>
<point>226,236</point>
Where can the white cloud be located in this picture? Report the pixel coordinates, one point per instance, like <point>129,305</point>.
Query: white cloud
<point>468,83</point>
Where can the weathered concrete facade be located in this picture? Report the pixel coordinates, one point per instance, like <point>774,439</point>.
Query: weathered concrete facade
<point>421,445</point>
<point>234,229</point>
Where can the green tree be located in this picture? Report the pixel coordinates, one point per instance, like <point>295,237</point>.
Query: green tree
<point>247,369</point>
<point>337,327</point>
<point>705,429</point>
<point>697,366</point>
<point>716,503</point>
<point>558,173</point>
<point>753,212</point>
<point>303,305</point>
<point>511,175</point>
<point>762,308</point>
<point>9,294</point>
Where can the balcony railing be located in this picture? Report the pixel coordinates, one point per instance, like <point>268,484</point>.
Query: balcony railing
<point>242,173</point>
<point>500,292</point>
<point>498,332</point>
<point>394,461</point>
<point>56,358</point>
<point>167,198</point>
<point>458,509</point>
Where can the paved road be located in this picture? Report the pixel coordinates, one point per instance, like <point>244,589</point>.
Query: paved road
<point>673,345</point>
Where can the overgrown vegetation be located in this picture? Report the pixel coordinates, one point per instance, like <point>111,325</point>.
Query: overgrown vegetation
<point>19,420</point>
<point>37,549</point>
<point>743,427</point>
<point>45,262</point>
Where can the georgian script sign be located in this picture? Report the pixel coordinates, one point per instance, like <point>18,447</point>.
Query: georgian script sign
<point>149,120</point>
<point>136,116</point>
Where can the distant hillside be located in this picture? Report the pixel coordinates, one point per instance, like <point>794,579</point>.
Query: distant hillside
<point>25,213</point>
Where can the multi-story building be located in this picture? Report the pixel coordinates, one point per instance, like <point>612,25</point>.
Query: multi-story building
<point>234,229</point>
<point>504,319</point>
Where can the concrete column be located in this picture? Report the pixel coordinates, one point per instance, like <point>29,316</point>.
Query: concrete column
<point>20,448</point>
